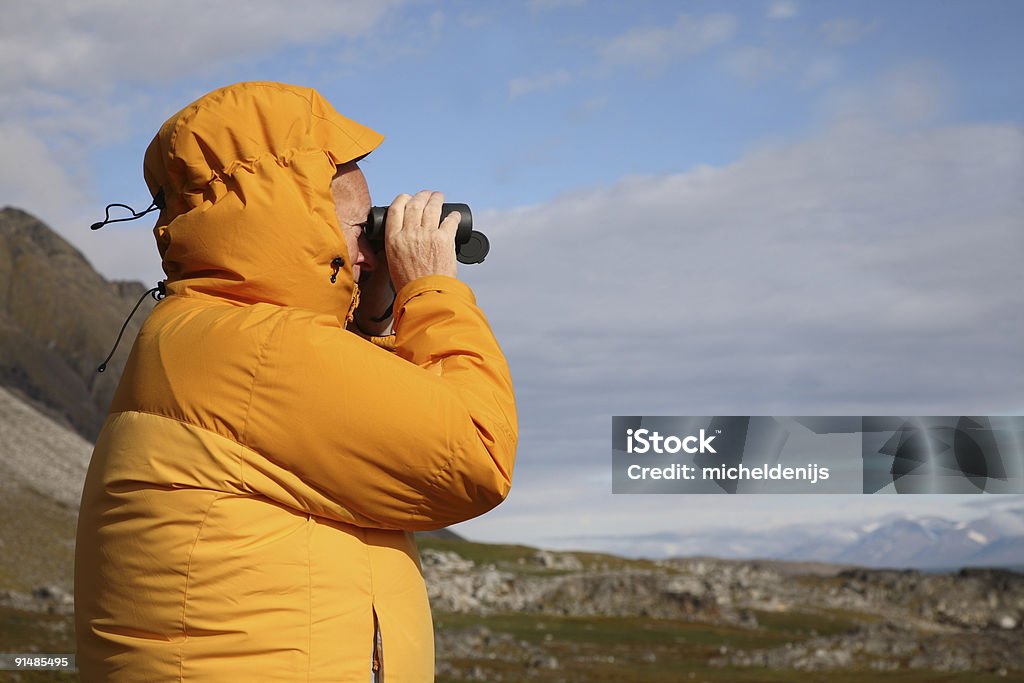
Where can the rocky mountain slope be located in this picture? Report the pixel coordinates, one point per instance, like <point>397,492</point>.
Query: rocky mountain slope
<point>42,469</point>
<point>58,319</point>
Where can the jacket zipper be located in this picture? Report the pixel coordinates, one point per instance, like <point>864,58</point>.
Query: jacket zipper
<point>377,665</point>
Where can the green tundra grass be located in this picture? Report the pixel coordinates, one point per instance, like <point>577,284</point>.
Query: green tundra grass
<point>588,650</point>
<point>658,651</point>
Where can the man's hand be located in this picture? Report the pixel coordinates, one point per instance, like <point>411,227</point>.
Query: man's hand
<point>418,243</point>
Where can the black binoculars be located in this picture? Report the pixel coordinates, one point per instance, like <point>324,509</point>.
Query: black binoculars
<point>471,246</point>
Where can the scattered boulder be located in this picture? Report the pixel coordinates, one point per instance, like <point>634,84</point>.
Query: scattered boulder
<point>552,560</point>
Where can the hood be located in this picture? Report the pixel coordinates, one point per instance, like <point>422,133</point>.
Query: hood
<point>248,217</point>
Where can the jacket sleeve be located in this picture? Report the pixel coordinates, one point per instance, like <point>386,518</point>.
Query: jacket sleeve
<point>417,439</point>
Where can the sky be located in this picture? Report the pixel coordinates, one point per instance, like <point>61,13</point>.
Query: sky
<point>694,208</point>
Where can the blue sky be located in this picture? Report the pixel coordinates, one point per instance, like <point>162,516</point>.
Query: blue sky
<point>574,95</point>
<point>776,207</point>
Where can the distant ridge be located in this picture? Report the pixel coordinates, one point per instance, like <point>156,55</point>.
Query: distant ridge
<point>894,541</point>
<point>58,319</point>
<point>440,534</point>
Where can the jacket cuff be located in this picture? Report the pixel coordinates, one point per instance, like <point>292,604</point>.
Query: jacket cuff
<point>431,283</point>
<point>384,341</point>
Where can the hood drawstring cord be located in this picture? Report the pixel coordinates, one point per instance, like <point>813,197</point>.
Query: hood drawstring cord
<point>350,316</point>
<point>337,263</point>
<point>158,293</point>
<point>158,203</point>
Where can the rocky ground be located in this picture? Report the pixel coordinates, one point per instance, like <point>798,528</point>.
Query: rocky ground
<point>899,620</point>
<point>456,584</point>
<point>48,599</point>
<point>889,646</point>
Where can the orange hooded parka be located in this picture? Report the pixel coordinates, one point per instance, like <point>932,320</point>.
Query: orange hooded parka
<point>248,508</point>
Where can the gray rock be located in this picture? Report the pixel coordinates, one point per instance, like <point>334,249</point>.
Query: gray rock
<point>552,560</point>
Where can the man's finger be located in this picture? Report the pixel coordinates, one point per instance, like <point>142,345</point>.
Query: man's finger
<point>432,212</point>
<point>414,210</point>
<point>396,212</point>
<point>450,225</point>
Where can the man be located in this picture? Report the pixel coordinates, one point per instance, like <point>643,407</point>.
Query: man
<point>248,508</point>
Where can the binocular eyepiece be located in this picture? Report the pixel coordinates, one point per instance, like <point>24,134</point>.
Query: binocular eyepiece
<point>471,246</point>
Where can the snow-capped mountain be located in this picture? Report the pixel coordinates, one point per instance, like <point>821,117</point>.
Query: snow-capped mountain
<point>900,541</point>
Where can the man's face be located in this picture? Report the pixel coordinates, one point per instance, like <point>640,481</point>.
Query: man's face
<point>352,205</point>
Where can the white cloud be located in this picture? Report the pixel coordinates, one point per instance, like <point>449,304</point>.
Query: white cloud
<point>31,175</point>
<point>907,95</point>
<point>654,47</point>
<point>518,87</point>
<point>759,62</point>
<point>840,32</point>
<point>84,70</point>
<point>863,270</point>
<point>783,9</point>
<point>86,42</point>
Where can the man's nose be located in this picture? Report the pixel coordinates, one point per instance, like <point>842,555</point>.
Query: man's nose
<point>367,258</point>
